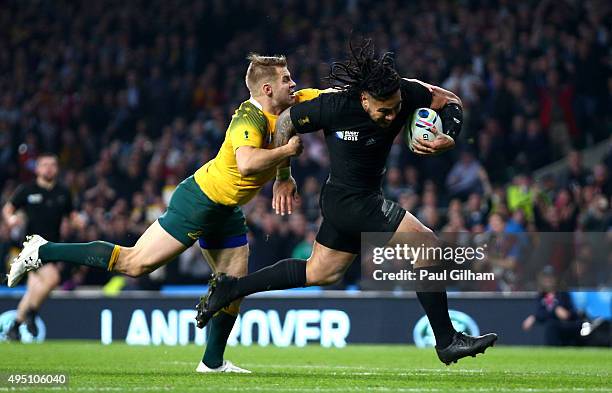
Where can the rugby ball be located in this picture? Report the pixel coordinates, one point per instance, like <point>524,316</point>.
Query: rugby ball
<point>420,125</point>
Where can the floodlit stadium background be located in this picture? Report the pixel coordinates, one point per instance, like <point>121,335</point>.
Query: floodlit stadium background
<point>135,96</point>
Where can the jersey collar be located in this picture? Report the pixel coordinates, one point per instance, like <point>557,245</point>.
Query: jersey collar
<point>260,107</point>
<point>257,104</point>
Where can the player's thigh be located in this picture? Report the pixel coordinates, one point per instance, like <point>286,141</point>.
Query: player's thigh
<point>327,265</point>
<point>232,261</point>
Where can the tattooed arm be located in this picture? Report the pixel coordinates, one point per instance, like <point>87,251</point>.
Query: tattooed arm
<point>285,135</point>
<point>284,191</point>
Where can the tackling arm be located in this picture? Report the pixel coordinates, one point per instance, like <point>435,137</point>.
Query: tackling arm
<point>251,160</point>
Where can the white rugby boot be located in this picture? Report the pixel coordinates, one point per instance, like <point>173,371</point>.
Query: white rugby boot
<point>26,261</point>
<point>225,367</point>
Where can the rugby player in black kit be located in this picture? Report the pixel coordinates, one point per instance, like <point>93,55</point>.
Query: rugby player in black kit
<point>45,203</point>
<point>360,123</point>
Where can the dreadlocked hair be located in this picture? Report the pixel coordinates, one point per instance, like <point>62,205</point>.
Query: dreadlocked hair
<point>363,71</point>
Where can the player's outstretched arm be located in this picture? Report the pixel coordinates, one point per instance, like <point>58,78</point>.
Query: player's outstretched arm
<point>251,160</point>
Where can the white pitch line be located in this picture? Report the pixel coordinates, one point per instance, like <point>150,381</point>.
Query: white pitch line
<point>320,390</point>
<point>404,371</point>
<point>338,367</point>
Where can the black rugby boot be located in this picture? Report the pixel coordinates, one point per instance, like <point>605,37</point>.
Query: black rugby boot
<point>464,345</point>
<point>220,289</point>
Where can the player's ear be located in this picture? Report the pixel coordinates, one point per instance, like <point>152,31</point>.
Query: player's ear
<point>364,100</point>
<point>267,89</point>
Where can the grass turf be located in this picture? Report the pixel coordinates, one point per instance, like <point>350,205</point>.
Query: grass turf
<point>120,368</point>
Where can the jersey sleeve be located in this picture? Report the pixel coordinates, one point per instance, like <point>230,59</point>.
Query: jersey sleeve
<point>307,94</point>
<point>19,197</point>
<point>313,115</point>
<point>418,95</point>
<point>244,132</point>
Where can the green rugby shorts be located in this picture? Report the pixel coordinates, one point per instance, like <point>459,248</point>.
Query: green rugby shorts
<point>191,215</point>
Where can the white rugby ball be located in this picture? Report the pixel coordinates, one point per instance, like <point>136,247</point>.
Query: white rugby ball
<point>421,123</point>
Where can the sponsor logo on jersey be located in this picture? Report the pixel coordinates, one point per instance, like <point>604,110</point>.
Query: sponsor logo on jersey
<point>370,142</point>
<point>423,334</point>
<point>246,135</point>
<point>304,120</point>
<point>35,198</point>
<point>348,135</point>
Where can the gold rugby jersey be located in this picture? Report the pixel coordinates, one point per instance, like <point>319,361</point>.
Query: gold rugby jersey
<point>219,178</point>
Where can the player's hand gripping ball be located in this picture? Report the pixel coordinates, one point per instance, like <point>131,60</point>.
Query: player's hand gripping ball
<point>420,126</point>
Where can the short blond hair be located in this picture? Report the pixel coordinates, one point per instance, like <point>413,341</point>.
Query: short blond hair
<point>262,69</point>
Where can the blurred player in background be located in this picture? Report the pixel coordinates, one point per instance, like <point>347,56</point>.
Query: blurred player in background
<point>45,203</point>
<point>205,206</point>
<point>360,124</point>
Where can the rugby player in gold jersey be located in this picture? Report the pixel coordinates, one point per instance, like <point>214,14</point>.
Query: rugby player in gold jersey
<point>205,207</point>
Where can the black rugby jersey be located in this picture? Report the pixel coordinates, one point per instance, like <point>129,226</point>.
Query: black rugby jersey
<point>358,147</point>
<point>44,208</point>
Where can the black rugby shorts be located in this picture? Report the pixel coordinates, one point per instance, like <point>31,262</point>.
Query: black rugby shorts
<point>348,212</point>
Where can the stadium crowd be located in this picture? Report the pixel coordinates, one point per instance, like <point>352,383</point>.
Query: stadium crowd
<point>135,97</point>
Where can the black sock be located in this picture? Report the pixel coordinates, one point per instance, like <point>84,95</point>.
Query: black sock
<point>285,274</point>
<point>433,299</point>
<point>31,314</point>
<point>219,329</point>
<point>435,305</point>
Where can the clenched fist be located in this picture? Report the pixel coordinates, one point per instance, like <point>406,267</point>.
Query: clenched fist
<point>295,146</point>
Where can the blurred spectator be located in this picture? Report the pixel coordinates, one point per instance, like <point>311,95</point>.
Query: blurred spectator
<point>394,184</point>
<point>576,175</point>
<point>464,177</point>
<point>520,195</point>
<point>504,254</point>
<point>556,311</point>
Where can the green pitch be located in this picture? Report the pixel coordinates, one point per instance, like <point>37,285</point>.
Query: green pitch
<point>119,368</point>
